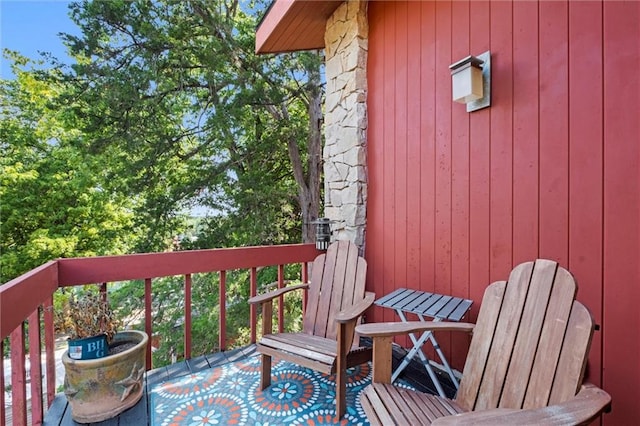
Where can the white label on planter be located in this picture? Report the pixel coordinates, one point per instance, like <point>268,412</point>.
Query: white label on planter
<point>75,352</point>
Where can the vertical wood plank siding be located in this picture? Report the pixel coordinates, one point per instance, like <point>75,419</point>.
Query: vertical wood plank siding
<point>460,181</point>
<point>621,209</point>
<point>550,170</point>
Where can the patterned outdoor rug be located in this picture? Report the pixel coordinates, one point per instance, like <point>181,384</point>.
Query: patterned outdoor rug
<point>230,395</point>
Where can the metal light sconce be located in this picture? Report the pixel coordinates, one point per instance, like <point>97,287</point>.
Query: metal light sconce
<point>471,81</point>
<point>323,233</point>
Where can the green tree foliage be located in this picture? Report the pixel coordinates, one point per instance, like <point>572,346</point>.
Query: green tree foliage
<point>167,109</point>
<point>168,306</point>
<point>52,203</point>
<point>174,89</point>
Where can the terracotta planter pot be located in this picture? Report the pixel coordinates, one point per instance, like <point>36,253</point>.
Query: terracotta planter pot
<point>98,389</point>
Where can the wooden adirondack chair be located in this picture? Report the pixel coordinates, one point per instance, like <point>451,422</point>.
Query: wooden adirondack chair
<point>525,364</point>
<point>336,299</point>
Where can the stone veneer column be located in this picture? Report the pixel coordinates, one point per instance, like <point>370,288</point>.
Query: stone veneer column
<point>345,150</point>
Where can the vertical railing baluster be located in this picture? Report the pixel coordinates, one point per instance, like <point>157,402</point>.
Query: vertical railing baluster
<point>103,296</point>
<point>305,279</point>
<point>222,322</point>
<point>49,347</point>
<point>187,316</point>
<point>35,370</point>
<point>18,379</point>
<point>103,292</point>
<point>2,413</point>
<point>253,284</point>
<point>147,319</point>
<point>280,300</point>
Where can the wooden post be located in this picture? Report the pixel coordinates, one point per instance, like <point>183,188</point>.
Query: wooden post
<point>382,359</point>
<point>18,379</point>
<point>49,343</point>
<point>305,279</point>
<point>187,316</point>
<point>35,372</point>
<point>147,319</point>
<point>265,372</point>
<point>222,323</point>
<point>2,415</point>
<point>253,284</point>
<point>341,372</point>
<point>281,299</point>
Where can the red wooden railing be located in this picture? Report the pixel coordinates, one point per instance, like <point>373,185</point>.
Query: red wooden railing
<point>29,298</point>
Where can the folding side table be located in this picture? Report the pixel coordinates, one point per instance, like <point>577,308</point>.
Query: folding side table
<point>436,306</point>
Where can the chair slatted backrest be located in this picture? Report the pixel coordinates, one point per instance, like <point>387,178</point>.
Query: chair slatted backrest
<point>337,281</point>
<point>531,341</point>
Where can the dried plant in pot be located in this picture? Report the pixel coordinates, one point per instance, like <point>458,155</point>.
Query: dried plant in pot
<point>92,326</point>
<point>111,380</point>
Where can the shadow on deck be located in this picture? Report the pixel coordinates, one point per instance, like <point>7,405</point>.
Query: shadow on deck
<point>60,413</point>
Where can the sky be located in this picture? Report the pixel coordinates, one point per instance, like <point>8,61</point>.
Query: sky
<point>32,26</point>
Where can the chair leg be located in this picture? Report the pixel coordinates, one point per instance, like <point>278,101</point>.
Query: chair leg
<point>265,372</point>
<point>341,372</point>
<point>341,393</point>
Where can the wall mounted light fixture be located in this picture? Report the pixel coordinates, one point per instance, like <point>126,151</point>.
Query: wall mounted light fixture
<point>323,233</point>
<point>471,81</point>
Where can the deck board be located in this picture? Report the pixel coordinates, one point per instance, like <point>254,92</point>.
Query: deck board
<point>57,409</point>
<point>197,364</point>
<point>138,414</point>
<point>59,414</point>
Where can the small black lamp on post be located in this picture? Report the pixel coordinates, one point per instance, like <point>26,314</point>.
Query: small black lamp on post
<point>323,233</point>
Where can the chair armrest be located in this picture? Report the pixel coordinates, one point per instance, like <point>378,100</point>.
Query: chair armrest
<point>261,298</point>
<point>354,311</point>
<point>389,329</point>
<point>583,408</point>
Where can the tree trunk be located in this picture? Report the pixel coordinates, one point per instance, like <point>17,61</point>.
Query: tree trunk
<point>315,156</point>
<point>308,186</point>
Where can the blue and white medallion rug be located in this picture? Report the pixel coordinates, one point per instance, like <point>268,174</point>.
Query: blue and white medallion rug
<point>230,395</point>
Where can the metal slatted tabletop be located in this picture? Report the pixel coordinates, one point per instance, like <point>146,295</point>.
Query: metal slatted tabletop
<point>445,308</point>
<point>439,307</point>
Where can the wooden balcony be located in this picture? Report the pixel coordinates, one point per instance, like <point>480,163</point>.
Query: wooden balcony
<point>28,300</point>
<point>59,413</point>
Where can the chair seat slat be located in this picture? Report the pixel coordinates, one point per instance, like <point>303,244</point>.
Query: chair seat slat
<point>394,405</point>
<point>300,350</point>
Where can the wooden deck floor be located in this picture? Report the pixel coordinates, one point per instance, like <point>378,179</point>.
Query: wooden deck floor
<point>59,414</point>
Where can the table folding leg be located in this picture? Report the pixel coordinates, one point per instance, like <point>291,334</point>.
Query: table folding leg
<point>425,305</point>
<point>417,349</point>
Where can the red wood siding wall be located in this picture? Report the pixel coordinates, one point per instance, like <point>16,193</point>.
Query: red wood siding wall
<point>550,170</point>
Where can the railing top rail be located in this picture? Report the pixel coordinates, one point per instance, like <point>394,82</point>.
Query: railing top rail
<point>22,295</point>
<point>152,265</point>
